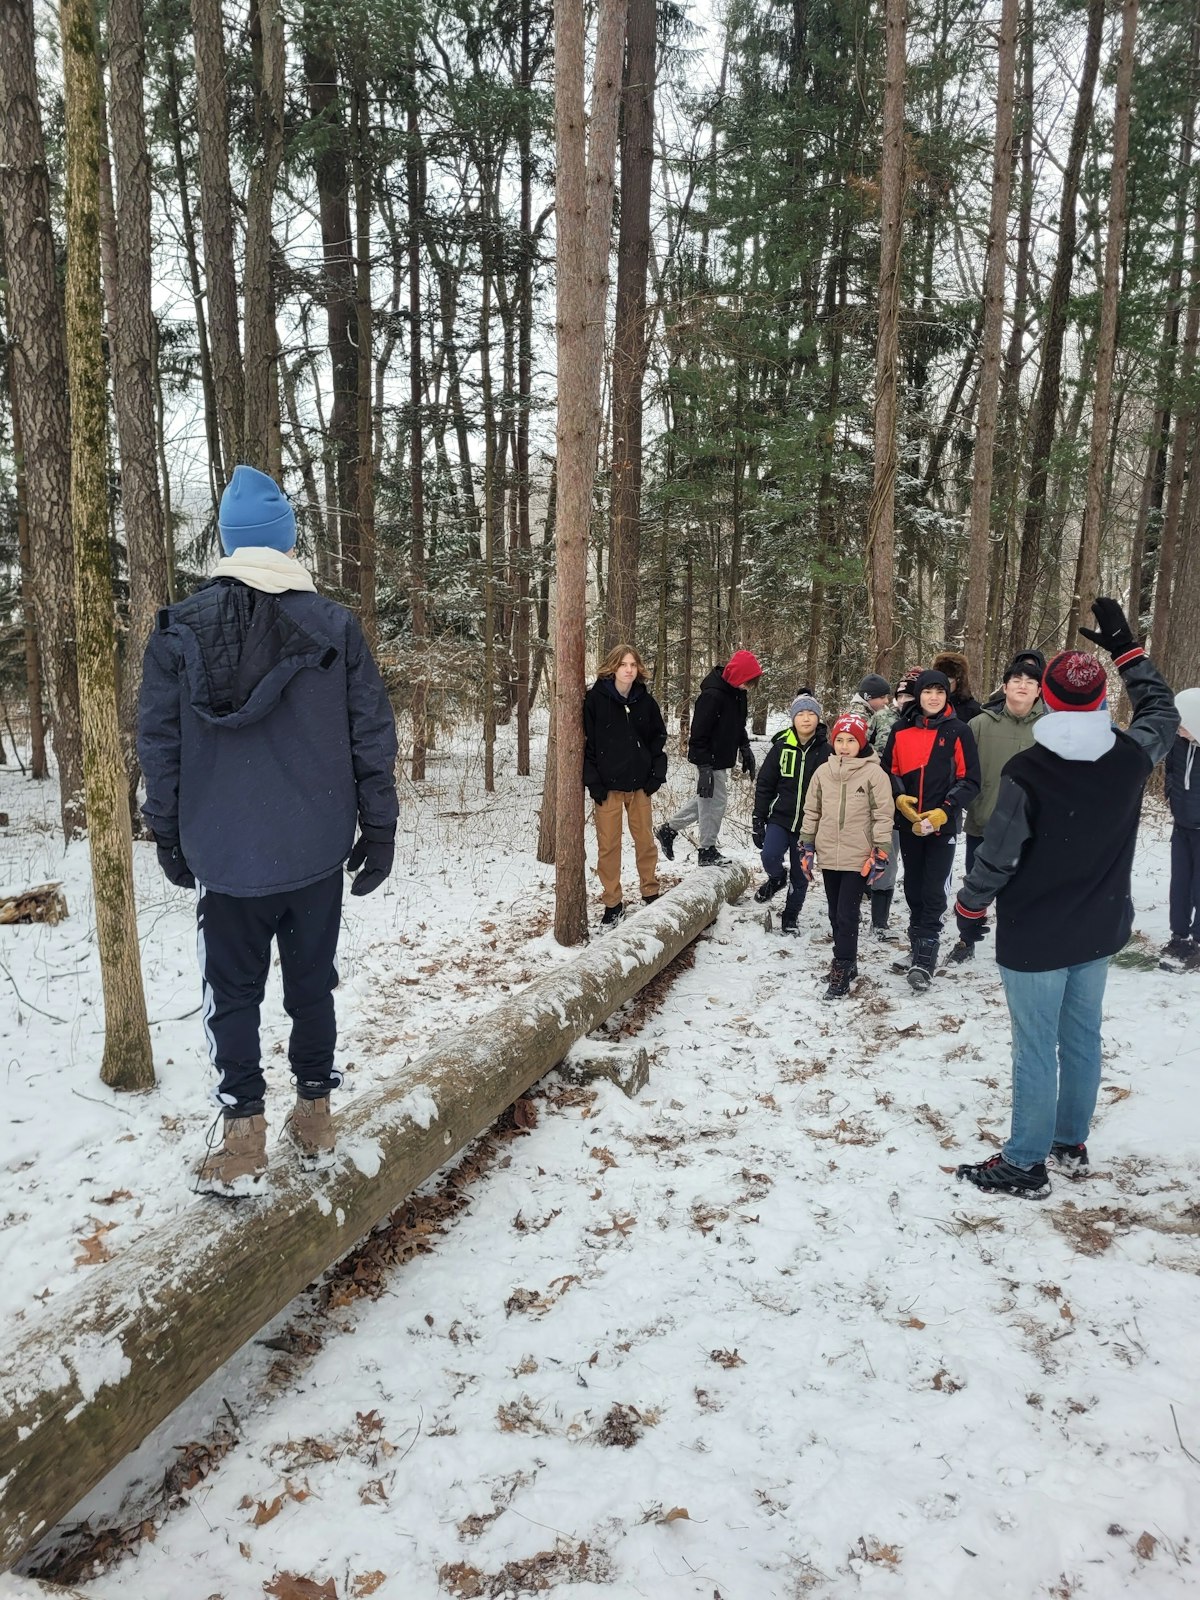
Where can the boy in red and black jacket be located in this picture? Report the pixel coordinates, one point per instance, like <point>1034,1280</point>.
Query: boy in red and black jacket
<point>931,758</point>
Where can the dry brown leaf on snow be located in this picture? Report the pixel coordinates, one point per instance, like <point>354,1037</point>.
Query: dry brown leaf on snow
<point>367,1583</point>
<point>603,1155</point>
<point>112,1199</point>
<point>726,1358</point>
<point>621,1225</point>
<point>267,1513</point>
<point>913,1322</point>
<point>244,1549</point>
<point>676,1514</point>
<point>884,1554</point>
<point>1146,1546</point>
<point>94,1248</point>
<point>465,1582</point>
<point>292,1586</point>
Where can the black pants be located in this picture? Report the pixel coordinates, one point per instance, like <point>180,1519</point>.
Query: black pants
<point>928,863</point>
<point>844,891</point>
<point>233,937</point>
<point>1185,883</point>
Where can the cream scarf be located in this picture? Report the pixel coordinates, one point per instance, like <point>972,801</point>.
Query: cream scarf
<point>261,567</point>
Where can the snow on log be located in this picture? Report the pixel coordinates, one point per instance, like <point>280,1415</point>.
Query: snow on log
<point>105,1364</point>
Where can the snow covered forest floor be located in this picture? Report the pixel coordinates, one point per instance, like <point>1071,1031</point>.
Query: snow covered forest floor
<point>743,1337</point>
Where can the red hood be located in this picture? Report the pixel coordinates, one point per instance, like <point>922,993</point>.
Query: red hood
<point>742,669</point>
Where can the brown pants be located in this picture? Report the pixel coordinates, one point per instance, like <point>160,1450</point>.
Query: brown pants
<point>636,803</point>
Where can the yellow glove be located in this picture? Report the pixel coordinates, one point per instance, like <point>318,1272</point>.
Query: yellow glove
<point>906,805</point>
<point>937,816</point>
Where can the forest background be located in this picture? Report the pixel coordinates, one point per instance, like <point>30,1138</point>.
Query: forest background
<point>900,306</point>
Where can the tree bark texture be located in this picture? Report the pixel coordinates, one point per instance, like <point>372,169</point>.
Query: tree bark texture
<point>33,663</point>
<point>993,327</point>
<point>133,350</point>
<point>261,425</point>
<point>417,575</point>
<point>1087,575</point>
<point>584,189</point>
<point>364,454</point>
<point>184,1299</point>
<point>1045,406</point>
<point>216,226</point>
<point>631,334</point>
<point>127,1062</point>
<point>881,507</point>
<point>39,381</point>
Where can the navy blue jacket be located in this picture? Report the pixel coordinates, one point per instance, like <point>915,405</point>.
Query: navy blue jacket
<point>1183,788</point>
<point>264,734</point>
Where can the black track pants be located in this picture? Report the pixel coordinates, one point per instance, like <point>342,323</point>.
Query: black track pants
<point>844,892</point>
<point>233,937</point>
<point>928,863</point>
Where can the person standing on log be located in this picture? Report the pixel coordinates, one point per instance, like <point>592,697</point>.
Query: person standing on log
<point>718,737</point>
<point>265,734</point>
<point>624,763</point>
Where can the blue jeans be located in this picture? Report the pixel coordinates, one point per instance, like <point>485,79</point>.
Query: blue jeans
<point>1056,1020</point>
<point>779,843</point>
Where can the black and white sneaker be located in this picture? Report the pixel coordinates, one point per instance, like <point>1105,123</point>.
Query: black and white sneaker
<point>787,924</point>
<point>710,856</point>
<point>999,1176</point>
<point>1177,956</point>
<point>612,914</point>
<point>767,891</point>
<point>1070,1159</point>
<point>666,837</point>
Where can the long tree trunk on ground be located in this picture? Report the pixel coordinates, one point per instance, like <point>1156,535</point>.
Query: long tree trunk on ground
<point>993,327</point>
<point>417,577</point>
<point>586,159</point>
<point>133,354</point>
<point>216,225</point>
<point>631,336</point>
<point>262,395</point>
<point>881,508</point>
<point>33,666</point>
<point>39,382</point>
<point>1045,408</point>
<point>127,1062</point>
<point>333,195</point>
<point>1087,574</point>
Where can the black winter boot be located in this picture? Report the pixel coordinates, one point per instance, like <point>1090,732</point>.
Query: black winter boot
<point>841,975</point>
<point>666,837</point>
<point>962,952</point>
<point>881,905</point>
<point>767,891</point>
<point>924,964</point>
<point>999,1176</point>
<point>710,856</point>
<point>612,914</point>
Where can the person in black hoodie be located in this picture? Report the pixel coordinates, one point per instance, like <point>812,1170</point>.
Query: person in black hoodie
<point>954,664</point>
<point>624,763</point>
<point>718,737</point>
<point>932,761</point>
<point>783,779</point>
<point>1056,857</point>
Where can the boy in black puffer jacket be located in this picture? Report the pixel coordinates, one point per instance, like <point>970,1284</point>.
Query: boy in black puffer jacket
<point>624,763</point>
<point>718,737</point>
<point>779,795</point>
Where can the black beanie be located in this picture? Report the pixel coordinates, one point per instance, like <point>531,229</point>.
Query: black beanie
<point>873,685</point>
<point>932,679</point>
<point>1028,663</point>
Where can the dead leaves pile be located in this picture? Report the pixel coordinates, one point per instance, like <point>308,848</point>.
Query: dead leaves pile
<point>568,1562</point>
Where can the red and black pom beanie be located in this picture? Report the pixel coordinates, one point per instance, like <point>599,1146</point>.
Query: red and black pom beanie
<point>1074,681</point>
<point>851,724</point>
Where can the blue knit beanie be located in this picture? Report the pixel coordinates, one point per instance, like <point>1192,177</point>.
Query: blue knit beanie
<point>255,510</point>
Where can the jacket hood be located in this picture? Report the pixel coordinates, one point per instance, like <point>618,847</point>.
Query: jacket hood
<point>954,664</point>
<point>844,767</point>
<point>788,735</point>
<point>608,685</point>
<point>240,651</point>
<point>1076,735</point>
<point>742,668</point>
<point>716,679</point>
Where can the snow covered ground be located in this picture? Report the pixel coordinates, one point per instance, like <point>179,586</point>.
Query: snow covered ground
<point>741,1337</point>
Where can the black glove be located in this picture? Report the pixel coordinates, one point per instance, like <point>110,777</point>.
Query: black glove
<point>599,796</point>
<point>749,765</point>
<point>1112,631</point>
<point>176,869</point>
<point>971,925</point>
<point>704,783</point>
<point>375,856</point>
<point>758,832</point>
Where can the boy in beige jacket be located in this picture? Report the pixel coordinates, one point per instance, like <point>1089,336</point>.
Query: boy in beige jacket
<point>847,828</point>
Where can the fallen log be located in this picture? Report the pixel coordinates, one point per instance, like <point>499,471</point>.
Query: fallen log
<point>104,1365</point>
<point>43,903</point>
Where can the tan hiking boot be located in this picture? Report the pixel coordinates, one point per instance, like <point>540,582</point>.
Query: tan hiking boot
<point>310,1128</point>
<point>238,1164</point>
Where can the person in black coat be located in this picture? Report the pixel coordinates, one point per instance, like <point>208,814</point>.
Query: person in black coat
<point>954,664</point>
<point>718,738</point>
<point>624,763</point>
<point>265,736</point>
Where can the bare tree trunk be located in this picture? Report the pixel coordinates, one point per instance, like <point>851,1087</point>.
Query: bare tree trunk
<point>1165,598</point>
<point>489,526</point>
<point>524,554</point>
<point>584,219</point>
<point>33,668</point>
<point>1177,650</point>
<point>216,222</point>
<point>127,1062</point>
<point>39,382</point>
<point>1087,573</point>
<point>993,326</point>
<point>631,341</point>
<point>414,165</point>
<point>881,508</point>
<point>364,328</point>
<point>1045,407</point>
<point>262,395</point>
